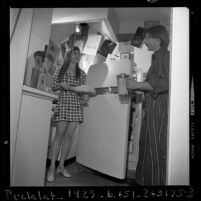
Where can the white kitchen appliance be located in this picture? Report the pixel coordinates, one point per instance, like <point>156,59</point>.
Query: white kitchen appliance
<point>103,136</point>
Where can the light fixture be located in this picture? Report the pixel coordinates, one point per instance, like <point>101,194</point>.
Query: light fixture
<point>77,28</point>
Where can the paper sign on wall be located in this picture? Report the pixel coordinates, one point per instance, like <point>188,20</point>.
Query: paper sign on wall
<point>124,47</point>
<point>142,58</point>
<point>92,44</point>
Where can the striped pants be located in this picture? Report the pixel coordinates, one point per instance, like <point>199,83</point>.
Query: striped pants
<point>151,168</point>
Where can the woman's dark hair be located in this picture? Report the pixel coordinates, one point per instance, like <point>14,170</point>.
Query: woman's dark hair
<point>66,64</point>
<point>159,31</point>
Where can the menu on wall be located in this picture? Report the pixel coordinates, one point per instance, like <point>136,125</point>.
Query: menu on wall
<point>138,37</point>
<point>107,48</point>
<point>52,51</point>
<point>124,47</point>
<point>92,44</point>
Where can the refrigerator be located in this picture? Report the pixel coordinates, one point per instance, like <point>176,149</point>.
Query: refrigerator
<point>103,136</point>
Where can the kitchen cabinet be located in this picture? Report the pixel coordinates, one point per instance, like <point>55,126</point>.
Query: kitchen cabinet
<point>32,138</point>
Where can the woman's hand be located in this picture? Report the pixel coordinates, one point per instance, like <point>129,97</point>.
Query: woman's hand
<point>85,100</point>
<point>131,83</point>
<point>65,85</point>
<point>93,94</point>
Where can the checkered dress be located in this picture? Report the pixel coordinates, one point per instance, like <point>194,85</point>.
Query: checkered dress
<point>69,106</point>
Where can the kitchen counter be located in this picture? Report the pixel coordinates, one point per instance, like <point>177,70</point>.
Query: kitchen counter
<point>38,93</point>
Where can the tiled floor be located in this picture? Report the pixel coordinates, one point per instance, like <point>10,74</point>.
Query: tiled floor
<point>82,176</point>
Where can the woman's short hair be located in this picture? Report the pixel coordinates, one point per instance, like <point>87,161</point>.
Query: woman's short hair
<point>159,31</point>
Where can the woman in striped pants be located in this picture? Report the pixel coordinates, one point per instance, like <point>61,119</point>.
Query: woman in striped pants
<point>151,168</point>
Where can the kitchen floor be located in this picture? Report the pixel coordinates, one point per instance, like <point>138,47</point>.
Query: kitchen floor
<point>82,176</point>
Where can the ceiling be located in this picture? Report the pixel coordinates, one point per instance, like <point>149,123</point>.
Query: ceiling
<point>124,15</point>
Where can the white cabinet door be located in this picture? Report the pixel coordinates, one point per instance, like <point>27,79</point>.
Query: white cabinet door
<point>32,142</point>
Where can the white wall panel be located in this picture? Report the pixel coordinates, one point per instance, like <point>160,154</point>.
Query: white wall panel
<point>18,54</point>
<point>178,146</point>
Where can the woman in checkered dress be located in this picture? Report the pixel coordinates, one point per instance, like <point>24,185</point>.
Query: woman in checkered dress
<point>69,110</point>
<point>70,106</point>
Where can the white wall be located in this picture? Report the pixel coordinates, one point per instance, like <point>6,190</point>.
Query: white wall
<point>13,17</point>
<point>42,24</point>
<point>113,21</point>
<point>131,27</point>
<point>19,48</point>
<point>18,54</point>
<point>59,32</point>
<point>178,144</point>
<point>40,34</point>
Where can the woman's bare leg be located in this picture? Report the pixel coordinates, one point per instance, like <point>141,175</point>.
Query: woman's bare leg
<point>67,142</point>
<point>60,130</point>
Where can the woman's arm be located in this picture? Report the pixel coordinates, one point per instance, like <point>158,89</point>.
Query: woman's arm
<point>66,86</point>
<point>159,79</point>
<point>56,84</point>
<point>134,85</point>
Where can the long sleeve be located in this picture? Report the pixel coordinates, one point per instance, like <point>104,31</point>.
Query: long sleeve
<point>55,87</point>
<point>84,97</point>
<point>158,77</point>
<point>83,77</point>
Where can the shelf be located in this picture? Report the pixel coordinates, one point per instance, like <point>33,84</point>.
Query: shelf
<point>38,93</point>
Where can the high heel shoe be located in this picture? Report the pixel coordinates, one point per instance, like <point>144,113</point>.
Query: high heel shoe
<point>63,172</point>
<point>50,176</point>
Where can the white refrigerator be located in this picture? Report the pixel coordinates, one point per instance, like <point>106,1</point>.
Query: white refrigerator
<point>103,136</point>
